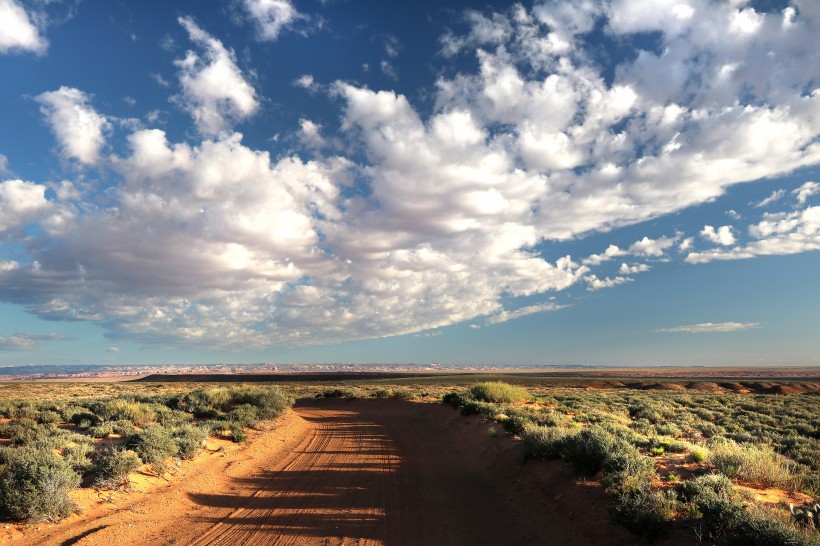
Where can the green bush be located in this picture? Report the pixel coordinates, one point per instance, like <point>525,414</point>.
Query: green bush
<point>644,511</point>
<point>758,464</point>
<point>341,392</point>
<point>154,445</point>
<point>270,402</point>
<point>77,456</point>
<point>499,392</point>
<point>34,486</point>
<point>189,440</point>
<point>113,467</point>
<point>544,442</point>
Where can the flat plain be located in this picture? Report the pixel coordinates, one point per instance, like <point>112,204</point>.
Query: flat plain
<point>510,459</point>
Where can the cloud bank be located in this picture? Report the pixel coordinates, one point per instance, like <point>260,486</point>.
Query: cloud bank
<point>425,220</point>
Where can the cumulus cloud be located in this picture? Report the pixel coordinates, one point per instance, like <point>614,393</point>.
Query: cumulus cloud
<point>21,202</point>
<point>271,17</point>
<point>214,91</point>
<point>710,327</point>
<point>4,164</point>
<point>17,30</point>
<point>79,129</point>
<point>627,269</point>
<point>722,235</point>
<point>594,283</point>
<point>310,134</point>
<point>778,234</point>
<point>441,216</point>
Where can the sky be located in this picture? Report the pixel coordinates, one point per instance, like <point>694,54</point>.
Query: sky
<point>594,182</point>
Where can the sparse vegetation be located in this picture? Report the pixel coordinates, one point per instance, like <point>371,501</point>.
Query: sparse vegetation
<point>758,440</point>
<point>53,443</point>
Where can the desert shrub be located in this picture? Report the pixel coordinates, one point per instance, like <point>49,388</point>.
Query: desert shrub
<point>383,393</point>
<point>544,442</point>
<point>23,431</point>
<point>117,409</point>
<point>34,486</point>
<point>517,424</point>
<point>166,416</point>
<point>77,456</point>
<point>706,489</point>
<point>206,403</point>
<point>595,448</point>
<point>403,394</point>
<point>244,415</point>
<point>48,417</point>
<point>189,440</point>
<point>698,454</point>
<point>237,433</point>
<point>113,467</point>
<point>644,511</point>
<point>635,473</point>
<point>341,392</point>
<point>499,392</point>
<point>270,401</point>
<point>758,464</point>
<point>103,430</point>
<point>154,445</point>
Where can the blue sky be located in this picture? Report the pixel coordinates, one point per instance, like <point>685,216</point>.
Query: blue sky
<point>613,182</point>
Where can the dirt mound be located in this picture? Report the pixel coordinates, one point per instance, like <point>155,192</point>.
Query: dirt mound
<point>363,472</point>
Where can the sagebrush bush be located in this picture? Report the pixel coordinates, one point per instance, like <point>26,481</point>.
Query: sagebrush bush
<point>113,467</point>
<point>755,463</point>
<point>34,486</point>
<point>544,442</point>
<point>499,392</point>
<point>189,440</point>
<point>644,511</point>
<point>154,445</point>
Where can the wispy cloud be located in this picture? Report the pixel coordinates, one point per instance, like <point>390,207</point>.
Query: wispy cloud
<point>27,342</point>
<point>710,327</point>
<point>504,316</point>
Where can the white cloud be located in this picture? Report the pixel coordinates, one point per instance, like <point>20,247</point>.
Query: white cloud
<point>733,214</point>
<point>441,217</point>
<point>776,195</point>
<point>214,91</point>
<point>778,234</point>
<point>805,191</point>
<point>645,247</point>
<point>710,327</point>
<point>310,134</point>
<point>21,202</point>
<point>612,251</point>
<point>306,81</point>
<point>17,31</point>
<point>504,315</point>
<point>594,283</point>
<point>722,235</point>
<point>26,342</point>
<point>627,269</point>
<point>651,247</point>
<point>4,165</point>
<point>79,129</point>
<point>271,17</point>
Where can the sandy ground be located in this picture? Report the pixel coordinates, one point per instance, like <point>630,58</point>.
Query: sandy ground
<point>367,472</point>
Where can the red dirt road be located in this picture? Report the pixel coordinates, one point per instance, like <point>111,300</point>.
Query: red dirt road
<point>365,472</point>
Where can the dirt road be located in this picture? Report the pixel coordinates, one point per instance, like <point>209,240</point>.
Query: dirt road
<point>365,472</point>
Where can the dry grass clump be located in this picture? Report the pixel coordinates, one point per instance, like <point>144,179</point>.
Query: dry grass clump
<point>500,392</point>
<point>752,463</point>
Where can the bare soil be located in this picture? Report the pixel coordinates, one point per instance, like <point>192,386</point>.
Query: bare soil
<point>365,472</point>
